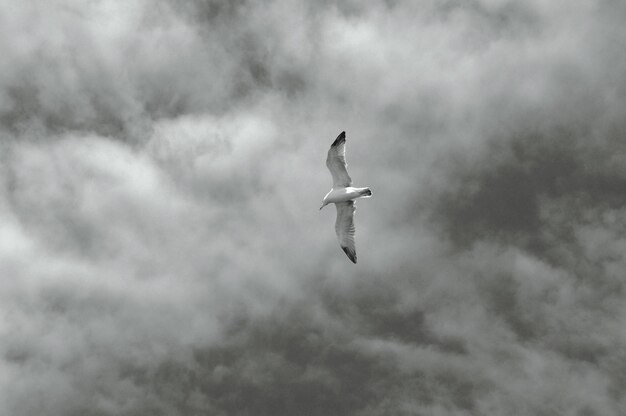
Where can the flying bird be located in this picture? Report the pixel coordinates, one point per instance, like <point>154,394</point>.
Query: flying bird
<point>342,194</point>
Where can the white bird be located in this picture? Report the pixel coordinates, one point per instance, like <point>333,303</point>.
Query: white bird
<point>342,194</point>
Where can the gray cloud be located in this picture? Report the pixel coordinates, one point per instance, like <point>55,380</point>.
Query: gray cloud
<point>160,243</point>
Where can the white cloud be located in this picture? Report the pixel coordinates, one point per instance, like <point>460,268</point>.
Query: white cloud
<point>160,243</point>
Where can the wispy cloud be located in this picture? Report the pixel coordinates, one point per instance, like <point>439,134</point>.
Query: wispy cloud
<point>162,164</point>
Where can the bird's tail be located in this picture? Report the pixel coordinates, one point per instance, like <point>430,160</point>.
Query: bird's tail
<point>365,193</point>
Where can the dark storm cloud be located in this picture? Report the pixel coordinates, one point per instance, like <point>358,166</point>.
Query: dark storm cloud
<point>160,243</point>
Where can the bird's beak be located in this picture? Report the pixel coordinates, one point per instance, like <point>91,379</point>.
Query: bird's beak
<point>321,207</point>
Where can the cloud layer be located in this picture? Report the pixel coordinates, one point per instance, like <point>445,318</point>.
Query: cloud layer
<point>162,165</point>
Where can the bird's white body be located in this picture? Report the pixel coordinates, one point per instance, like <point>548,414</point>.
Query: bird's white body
<point>348,193</point>
<point>343,194</point>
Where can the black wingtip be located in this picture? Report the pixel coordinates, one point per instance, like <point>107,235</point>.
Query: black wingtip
<point>340,139</point>
<point>350,253</point>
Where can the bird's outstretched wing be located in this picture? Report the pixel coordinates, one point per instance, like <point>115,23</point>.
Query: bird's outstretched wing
<point>336,162</point>
<point>344,227</point>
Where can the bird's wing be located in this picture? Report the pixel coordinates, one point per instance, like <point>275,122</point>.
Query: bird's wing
<point>336,162</point>
<point>344,227</point>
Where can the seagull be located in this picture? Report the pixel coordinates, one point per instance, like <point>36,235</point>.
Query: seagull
<point>342,194</point>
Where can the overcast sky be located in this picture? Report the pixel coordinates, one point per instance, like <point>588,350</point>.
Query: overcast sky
<point>162,166</point>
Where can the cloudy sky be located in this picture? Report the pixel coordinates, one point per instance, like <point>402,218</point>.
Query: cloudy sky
<point>162,166</point>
